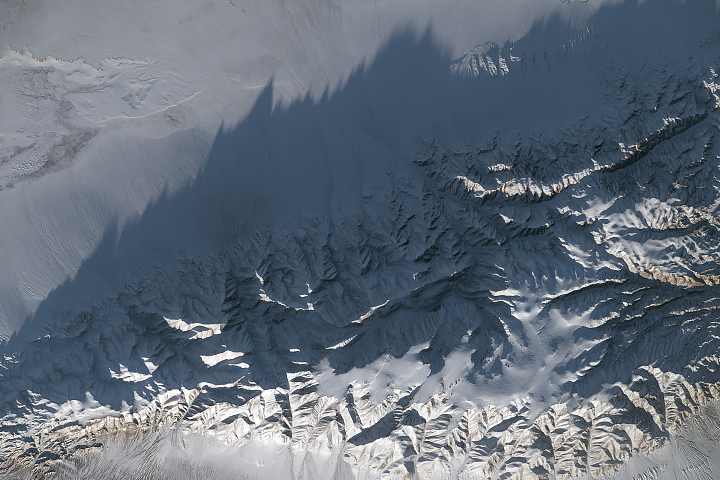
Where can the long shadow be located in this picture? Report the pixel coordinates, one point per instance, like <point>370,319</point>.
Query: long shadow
<point>310,158</point>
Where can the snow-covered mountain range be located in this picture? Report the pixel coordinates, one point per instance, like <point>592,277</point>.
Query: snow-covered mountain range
<point>358,240</point>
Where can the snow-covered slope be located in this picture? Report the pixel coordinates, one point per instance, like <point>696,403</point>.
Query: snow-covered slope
<point>382,240</point>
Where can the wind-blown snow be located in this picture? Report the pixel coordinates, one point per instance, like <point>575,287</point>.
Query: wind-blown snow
<point>383,240</point>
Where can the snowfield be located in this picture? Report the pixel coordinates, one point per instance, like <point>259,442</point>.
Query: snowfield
<point>360,240</point>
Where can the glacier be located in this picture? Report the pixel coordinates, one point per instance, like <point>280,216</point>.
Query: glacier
<point>359,240</point>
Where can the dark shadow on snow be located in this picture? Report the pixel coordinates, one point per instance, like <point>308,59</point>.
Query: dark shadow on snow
<point>308,158</point>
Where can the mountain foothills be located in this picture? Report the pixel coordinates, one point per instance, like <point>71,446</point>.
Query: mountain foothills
<point>376,243</point>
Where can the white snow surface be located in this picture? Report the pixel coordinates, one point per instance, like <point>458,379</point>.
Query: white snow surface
<point>399,239</point>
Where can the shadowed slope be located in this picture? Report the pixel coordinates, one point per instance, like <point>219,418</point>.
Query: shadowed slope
<point>536,221</point>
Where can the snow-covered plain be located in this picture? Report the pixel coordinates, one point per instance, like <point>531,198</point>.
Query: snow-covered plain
<point>377,239</point>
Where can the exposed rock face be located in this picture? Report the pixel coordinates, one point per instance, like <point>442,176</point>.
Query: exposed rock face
<point>529,303</point>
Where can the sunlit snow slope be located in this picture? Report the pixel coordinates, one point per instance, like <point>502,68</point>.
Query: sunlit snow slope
<point>360,240</point>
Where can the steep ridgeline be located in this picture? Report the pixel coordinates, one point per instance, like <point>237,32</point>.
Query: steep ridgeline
<point>533,304</point>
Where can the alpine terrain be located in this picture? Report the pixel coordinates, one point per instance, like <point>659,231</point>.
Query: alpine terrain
<point>360,239</point>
